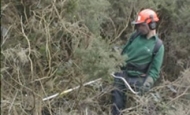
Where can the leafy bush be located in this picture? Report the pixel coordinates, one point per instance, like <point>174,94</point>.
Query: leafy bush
<point>50,46</point>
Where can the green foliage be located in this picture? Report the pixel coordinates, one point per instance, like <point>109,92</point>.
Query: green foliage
<point>53,45</point>
<point>71,6</point>
<point>175,36</point>
<point>92,13</point>
<point>98,60</point>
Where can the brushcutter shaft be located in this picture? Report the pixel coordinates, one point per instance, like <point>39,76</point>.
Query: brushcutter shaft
<point>69,90</point>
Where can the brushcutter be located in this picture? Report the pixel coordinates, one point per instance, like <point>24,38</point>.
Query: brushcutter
<point>88,83</point>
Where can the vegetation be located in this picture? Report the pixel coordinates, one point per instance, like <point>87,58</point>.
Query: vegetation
<point>52,45</point>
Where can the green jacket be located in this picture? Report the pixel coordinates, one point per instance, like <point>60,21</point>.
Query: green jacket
<point>140,52</point>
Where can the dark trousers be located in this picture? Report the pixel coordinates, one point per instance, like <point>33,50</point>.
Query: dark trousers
<point>118,94</point>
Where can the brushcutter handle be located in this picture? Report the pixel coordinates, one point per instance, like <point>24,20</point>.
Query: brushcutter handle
<point>126,83</point>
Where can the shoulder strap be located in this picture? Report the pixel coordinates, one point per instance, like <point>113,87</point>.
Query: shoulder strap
<point>157,46</point>
<point>133,36</point>
<point>136,34</point>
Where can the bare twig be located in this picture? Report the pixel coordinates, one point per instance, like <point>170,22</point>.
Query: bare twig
<point>185,92</point>
<point>126,25</point>
<point>29,49</point>
<point>12,103</point>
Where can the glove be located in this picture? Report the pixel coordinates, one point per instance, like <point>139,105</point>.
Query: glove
<point>147,85</point>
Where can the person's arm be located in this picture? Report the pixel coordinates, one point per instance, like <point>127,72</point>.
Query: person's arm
<point>153,73</point>
<point>155,67</point>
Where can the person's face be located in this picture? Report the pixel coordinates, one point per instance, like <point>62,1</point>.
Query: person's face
<point>143,28</point>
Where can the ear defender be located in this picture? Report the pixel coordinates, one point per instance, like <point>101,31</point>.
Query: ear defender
<point>152,24</point>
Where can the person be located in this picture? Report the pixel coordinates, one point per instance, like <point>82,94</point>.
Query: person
<point>143,63</point>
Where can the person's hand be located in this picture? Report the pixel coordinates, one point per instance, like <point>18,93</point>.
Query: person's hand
<point>147,84</point>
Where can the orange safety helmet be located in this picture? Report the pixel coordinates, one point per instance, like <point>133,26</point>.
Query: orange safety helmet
<point>146,16</point>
